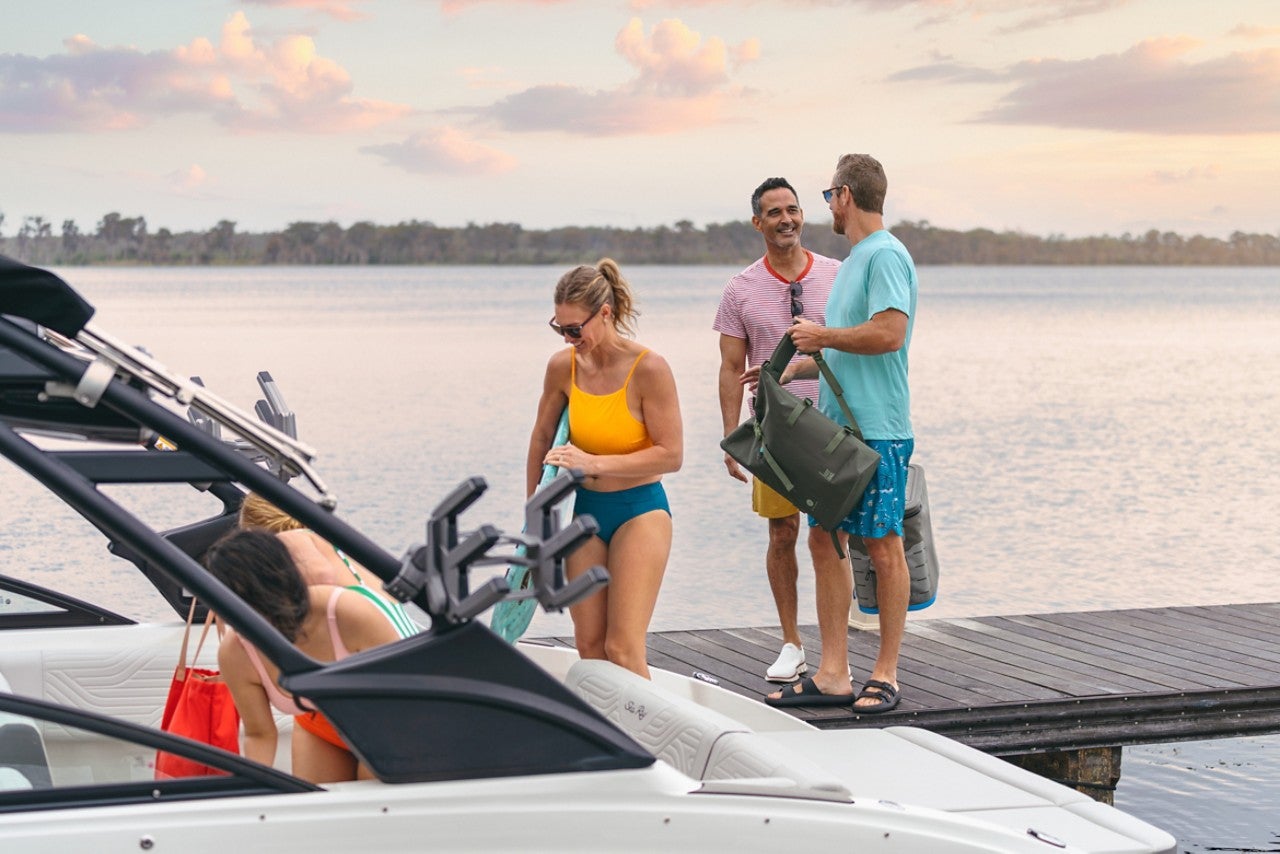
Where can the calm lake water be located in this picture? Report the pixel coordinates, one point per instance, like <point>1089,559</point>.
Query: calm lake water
<point>1091,437</point>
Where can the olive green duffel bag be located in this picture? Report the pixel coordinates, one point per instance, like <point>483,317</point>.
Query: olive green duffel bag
<point>818,465</point>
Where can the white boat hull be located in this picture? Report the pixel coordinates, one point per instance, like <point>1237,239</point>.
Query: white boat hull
<point>895,790</point>
<point>644,810</point>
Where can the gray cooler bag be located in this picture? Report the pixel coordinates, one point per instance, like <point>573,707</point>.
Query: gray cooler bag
<point>917,541</point>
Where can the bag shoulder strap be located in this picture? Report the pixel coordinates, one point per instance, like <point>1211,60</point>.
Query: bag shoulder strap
<point>208,621</point>
<point>838,391</point>
<point>781,357</point>
<point>186,637</point>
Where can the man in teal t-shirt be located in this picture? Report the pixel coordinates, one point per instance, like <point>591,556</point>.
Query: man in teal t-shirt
<point>870,315</point>
<point>877,276</point>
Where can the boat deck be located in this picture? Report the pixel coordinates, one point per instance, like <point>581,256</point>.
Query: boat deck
<point>1014,684</point>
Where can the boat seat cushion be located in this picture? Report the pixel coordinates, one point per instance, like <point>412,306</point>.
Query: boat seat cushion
<point>699,742</point>
<point>749,755</point>
<point>679,733</point>
<point>23,762</point>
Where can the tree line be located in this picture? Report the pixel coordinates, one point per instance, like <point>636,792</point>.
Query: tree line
<point>118,239</point>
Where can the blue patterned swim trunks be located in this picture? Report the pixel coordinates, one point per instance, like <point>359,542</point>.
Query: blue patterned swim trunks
<point>880,511</point>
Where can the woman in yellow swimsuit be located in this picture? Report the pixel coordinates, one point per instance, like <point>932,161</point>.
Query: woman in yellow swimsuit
<point>624,434</point>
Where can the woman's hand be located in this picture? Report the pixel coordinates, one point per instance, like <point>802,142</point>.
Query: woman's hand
<point>570,457</point>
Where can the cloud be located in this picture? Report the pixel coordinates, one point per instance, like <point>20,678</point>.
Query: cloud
<point>342,10</point>
<point>1254,33</point>
<point>455,7</point>
<point>487,77</point>
<point>446,151</point>
<point>1186,176</point>
<point>1030,14</point>
<point>1044,13</point>
<point>1033,14</point>
<point>1150,88</point>
<point>947,70</point>
<point>681,82</point>
<point>1026,14</point>
<point>617,113</point>
<point>93,88</point>
<point>242,83</point>
<point>192,178</point>
<point>673,59</point>
<point>300,89</point>
<point>748,51</point>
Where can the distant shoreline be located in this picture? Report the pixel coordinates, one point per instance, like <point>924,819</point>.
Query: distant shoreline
<point>239,265</point>
<point>127,241</point>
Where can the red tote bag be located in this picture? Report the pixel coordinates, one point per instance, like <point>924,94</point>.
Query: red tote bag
<point>199,706</point>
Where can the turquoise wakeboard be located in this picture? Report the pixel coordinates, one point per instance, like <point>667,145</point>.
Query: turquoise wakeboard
<point>511,618</point>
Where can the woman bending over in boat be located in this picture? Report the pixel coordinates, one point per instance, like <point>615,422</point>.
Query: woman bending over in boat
<point>317,619</point>
<point>624,434</point>
<point>319,561</point>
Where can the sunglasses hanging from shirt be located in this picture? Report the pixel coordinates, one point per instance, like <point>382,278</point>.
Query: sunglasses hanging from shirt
<point>797,291</point>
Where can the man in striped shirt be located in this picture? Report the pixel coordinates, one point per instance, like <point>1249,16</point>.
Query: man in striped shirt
<point>757,307</point>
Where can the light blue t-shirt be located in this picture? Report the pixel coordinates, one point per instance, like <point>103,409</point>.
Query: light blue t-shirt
<point>878,275</point>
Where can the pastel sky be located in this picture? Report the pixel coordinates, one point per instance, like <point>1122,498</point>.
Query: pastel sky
<point>1069,117</point>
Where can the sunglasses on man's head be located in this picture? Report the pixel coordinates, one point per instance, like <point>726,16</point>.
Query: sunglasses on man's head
<point>573,330</point>
<point>797,291</point>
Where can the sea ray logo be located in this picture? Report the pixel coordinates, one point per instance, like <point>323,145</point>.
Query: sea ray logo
<point>638,711</point>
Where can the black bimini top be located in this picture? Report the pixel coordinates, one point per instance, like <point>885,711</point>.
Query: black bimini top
<point>38,295</point>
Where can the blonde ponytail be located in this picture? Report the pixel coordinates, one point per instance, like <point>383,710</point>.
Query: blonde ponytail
<point>593,287</point>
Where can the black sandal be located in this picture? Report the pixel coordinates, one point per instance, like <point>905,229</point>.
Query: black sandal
<point>806,693</point>
<point>885,695</point>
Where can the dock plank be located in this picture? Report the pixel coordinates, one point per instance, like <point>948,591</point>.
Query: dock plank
<point>1020,683</point>
<point>1053,668</point>
<point>1225,636</point>
<point>1118,661</point>
<point>1199,668</point>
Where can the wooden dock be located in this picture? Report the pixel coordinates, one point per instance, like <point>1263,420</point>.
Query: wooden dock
<point>1044,682</point>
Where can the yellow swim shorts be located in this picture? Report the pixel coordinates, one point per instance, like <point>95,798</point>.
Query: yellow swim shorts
<point>768,503</point>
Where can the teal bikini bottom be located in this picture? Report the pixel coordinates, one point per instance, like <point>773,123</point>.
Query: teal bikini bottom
<point>612,510</point>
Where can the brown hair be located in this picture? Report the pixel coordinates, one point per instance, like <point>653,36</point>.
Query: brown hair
<point>864,176</point>
<point>258,569</point>
<point>593,287</point>
<point>258,512</point>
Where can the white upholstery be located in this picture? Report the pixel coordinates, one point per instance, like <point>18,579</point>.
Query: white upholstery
<point>121,671</point>
<point>699,742</point>
<point>679,733</point>
<point>11,779</point>
<point>741,755</point>
<point>11,774</point>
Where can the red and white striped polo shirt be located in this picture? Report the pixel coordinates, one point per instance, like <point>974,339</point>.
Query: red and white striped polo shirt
<point>756,305</point>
